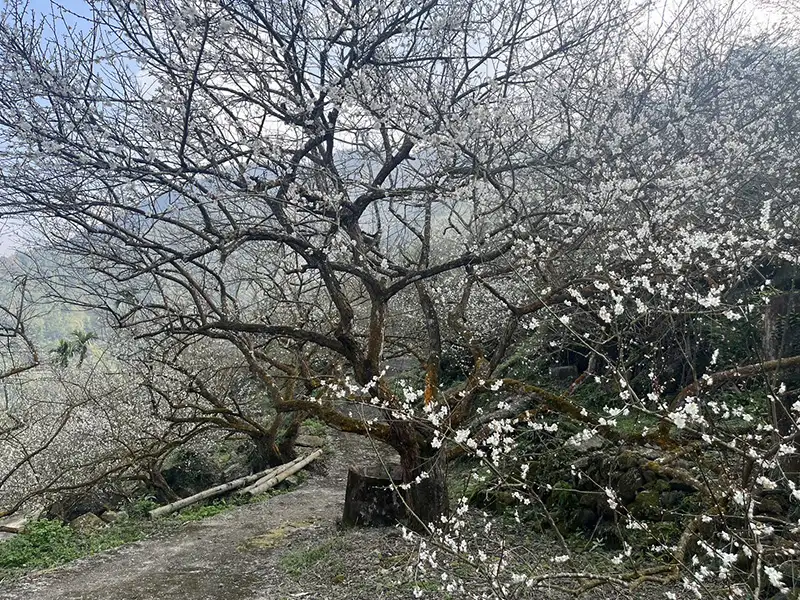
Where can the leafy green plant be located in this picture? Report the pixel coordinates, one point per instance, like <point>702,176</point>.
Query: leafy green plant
<point>315,427</point>
<point>66,349</point>
<point>43,544</point>
<point>200,512</point>
<point>140,508</point>
<point>47,543</point>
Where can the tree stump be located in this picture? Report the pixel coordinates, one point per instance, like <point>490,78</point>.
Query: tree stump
<point>370,499</point>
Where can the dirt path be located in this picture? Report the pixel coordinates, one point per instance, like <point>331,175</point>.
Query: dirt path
<point>288,547</point>
<point>234,556</point>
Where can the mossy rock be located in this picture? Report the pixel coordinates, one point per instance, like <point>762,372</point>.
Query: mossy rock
<point>629,485</point>
<point>646,506</point>
<point>672,499</point>
<point>660,485</point>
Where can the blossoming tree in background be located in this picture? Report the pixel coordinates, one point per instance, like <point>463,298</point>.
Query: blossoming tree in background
<point>492,188</point>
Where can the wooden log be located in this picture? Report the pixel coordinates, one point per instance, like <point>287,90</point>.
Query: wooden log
<point>273,481</point>
<point>269,475</point>
<point>209,493</point>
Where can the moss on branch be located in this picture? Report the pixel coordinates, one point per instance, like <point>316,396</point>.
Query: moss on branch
<point>337,420</point>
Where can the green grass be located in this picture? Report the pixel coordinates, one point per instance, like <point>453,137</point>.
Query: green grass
<point>203,511</point>
<point>325,556</point>
<point>49,543</point>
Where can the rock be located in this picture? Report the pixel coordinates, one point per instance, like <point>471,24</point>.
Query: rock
<point>629,485</point>
<point>92,500</point>
<point>88,523</point>
<point>568,372</point>
<point>672,498</point>
<point>591,500</point>
<point>110,516</point>
<point>310,441</point>
<point>646,505</point>
<point>681,486</point>
<point>771,506</point>
<point>235,471</point>
<point>13,525</point>
<point>596,442</point>
<point>773,502</point>
<point>649,475</point>
<point>628,460</point>
<point>586,519</point>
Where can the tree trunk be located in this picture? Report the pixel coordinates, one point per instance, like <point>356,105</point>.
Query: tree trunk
<point>424,467</point>
<point>781,340</point>
<point>159,483</point>
<point>288,438</point>
<point>276,446</point>
<point>268,452</point>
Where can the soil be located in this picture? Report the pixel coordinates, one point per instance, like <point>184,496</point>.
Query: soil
<point>233,556</point>
<point>288,547</point>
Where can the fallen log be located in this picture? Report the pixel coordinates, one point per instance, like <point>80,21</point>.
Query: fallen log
<point>274,472</point>
<point>209,493</point>
<point>269,475</point>
<point>276,479</point>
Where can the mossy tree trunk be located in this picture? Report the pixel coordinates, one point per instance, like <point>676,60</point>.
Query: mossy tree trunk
<point>424,467</point>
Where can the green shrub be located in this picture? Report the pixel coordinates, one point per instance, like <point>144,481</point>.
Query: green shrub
<point>44,543</point>
<point>315,427</point>
<point>140,508</point>
<point>48,543</point>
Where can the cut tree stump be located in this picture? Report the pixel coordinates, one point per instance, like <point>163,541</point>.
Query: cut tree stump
<point>370,499</point>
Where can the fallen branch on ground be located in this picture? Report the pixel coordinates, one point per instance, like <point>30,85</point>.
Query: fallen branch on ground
<point>269,474</point>
<point>214,491</point>
<point>276,479</point>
